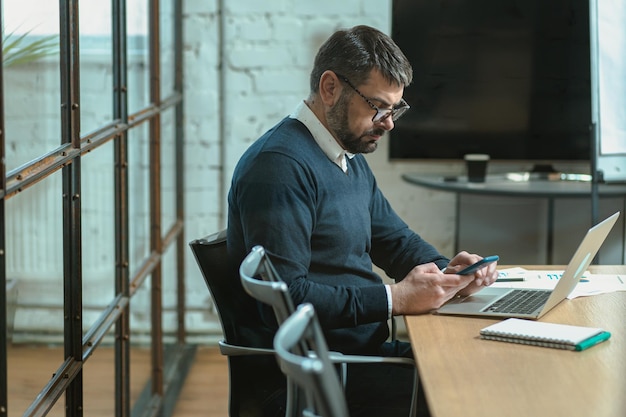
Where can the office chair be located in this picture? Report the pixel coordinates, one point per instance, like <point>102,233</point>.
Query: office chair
<point>312,371</point>
<point>255,380</point>
<point>273,291</point>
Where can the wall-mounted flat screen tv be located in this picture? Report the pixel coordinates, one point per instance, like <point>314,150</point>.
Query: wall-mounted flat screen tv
<point>510,78</point>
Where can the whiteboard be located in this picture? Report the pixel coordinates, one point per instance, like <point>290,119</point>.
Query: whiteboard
<point>608,78</point>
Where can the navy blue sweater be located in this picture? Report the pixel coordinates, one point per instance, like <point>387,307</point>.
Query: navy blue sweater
<point>323,229</point>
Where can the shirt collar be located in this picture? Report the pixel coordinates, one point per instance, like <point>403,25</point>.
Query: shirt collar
<point>322,136</point>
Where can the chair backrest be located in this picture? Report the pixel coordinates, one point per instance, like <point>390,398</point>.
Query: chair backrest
<point>260,279</point>
<point>238,312</point>
<point>312,371</point>
<point>256,384</point>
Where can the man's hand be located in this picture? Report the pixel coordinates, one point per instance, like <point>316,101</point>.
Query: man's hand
<point>481,278</point>
<point>426,288</point>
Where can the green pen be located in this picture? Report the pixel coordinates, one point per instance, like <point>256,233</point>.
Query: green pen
<point>592,341</point>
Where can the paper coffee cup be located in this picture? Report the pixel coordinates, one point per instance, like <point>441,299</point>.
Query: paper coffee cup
<point>476,164</point>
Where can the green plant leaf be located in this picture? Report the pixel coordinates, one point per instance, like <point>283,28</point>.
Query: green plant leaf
<point>16,50</point>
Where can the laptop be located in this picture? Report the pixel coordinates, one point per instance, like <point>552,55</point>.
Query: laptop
<point>531,303</point>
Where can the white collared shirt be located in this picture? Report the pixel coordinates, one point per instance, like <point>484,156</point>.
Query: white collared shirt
<point>333,150</point>
<point>322,136</point>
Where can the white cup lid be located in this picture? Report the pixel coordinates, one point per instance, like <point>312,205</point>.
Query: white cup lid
<point>476,157</point>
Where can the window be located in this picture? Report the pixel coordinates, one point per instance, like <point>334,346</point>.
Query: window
<point>91,186</point>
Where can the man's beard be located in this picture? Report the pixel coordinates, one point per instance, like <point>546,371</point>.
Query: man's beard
<point>337,118</point>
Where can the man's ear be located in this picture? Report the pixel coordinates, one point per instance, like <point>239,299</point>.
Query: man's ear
<point>330,88</point>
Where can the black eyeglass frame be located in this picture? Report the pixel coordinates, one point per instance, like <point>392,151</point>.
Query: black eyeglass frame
<point>381,114</point>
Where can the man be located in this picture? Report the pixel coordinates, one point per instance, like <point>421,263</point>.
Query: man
<point>304,192</point>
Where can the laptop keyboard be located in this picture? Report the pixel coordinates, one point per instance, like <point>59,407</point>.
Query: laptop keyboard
<point>519,301</point>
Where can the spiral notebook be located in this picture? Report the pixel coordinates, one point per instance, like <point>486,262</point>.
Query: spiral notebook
<point>559,336</point>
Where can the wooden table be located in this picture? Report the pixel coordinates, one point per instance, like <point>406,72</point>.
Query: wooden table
<point>466,376</point>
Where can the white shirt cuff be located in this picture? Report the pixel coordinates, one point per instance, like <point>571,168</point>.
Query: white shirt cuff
<point>389,302</point>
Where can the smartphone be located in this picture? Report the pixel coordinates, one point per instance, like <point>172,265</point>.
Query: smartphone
<point>480,264</point>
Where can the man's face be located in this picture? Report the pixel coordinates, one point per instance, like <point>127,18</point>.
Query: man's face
<point>350,119</point>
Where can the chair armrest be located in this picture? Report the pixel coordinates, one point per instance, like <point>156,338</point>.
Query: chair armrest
<point>337,357</point>
<point>227,349</point>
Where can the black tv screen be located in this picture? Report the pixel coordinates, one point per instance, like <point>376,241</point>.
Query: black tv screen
<point>510,78</point>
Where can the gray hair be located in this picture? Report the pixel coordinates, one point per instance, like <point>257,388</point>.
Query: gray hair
<point>355,52</point>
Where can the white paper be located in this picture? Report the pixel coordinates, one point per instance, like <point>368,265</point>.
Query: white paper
<point>590,284</point>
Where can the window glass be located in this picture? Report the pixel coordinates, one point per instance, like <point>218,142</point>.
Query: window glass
<point>168,169</point>
<point>35,242</point>
<point>96,65</point>
<point>31,79</point>
<point>168,64</point>
<point>27,377</point>
<point>138,197</point>
<point>34,266</point>
<point>170,294</point>
<point>99,381</point>
<point>98,232</point>
<point>138,55</point>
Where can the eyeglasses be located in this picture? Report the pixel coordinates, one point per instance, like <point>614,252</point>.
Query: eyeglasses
<point>381,114</point>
